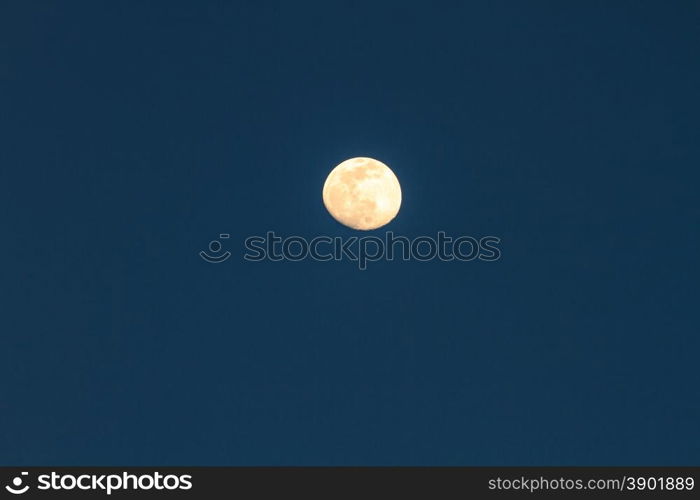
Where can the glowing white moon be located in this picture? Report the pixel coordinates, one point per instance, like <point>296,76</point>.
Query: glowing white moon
<point>362,193</point>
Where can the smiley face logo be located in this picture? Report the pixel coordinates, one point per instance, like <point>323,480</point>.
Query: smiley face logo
<point>16,487</point>
<point>215,247</point>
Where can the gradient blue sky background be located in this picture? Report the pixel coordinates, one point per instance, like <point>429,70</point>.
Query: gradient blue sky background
<point>133,133</point>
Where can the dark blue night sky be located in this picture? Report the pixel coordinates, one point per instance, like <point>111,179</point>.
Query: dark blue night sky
<point>134,133</point>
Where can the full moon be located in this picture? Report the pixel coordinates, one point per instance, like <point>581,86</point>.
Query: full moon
<point>362,193</point>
